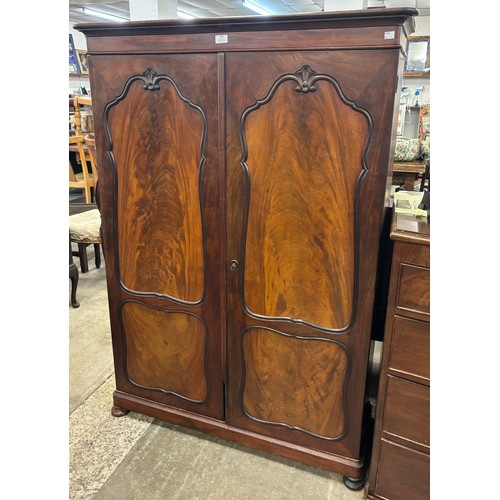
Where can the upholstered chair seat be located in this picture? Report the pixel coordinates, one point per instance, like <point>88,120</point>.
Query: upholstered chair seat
<point>85,229</point>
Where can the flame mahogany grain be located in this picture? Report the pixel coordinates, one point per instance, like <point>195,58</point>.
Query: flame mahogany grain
<point>157,145</point>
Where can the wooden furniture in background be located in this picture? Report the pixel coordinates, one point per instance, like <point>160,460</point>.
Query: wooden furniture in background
<point>410,171</point>
<point>91,155</point>
<point>401,452</point>
<point>85,179</point>
<point>85,230</point>
<point>78,102</point>
<point>73,276</point>
<point>426,177</point>
<point>242,183</point>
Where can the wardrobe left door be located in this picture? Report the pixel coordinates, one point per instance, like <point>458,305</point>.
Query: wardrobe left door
<point>159,195</point>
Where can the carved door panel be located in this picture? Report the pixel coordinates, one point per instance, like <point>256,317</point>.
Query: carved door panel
<point>160,201</point>
<point>304,173</point>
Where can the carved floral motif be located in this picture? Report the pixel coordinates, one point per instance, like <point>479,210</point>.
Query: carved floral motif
<point>306,77</point>
<point>150,78</point>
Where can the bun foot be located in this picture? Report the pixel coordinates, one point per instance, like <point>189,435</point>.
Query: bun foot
<point>354,484</point>
<point>116,411</point>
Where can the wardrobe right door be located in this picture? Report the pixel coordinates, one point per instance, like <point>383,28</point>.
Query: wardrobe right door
<point>308,144</point>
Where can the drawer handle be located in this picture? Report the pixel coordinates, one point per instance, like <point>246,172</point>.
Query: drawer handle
<point>233,265</point>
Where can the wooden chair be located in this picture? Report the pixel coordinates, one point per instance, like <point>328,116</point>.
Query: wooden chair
<point>92,155</point>
<point>85,227</point>
<point>85,180</point>
<point>80,100</point>
<point>85,230</point>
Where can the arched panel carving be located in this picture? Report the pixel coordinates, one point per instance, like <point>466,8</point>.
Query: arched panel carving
<point>156,141</point>
<point>300,241</point>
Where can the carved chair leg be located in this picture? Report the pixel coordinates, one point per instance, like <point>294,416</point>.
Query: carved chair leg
<point>73,276</point>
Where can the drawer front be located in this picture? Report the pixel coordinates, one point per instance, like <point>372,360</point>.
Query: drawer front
<point>406,412</point>
<point>410,348</point>
<point>414,289</point>
<point>403,474</point>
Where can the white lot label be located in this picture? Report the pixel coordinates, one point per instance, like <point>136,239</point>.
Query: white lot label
<point>389,35</point>
<point>220,38</point>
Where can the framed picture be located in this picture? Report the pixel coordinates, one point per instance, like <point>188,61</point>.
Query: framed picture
<point>82,61</point>
<point>74,67</point>
<point>418,60</point>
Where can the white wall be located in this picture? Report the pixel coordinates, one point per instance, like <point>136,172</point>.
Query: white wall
<point>422,26</point>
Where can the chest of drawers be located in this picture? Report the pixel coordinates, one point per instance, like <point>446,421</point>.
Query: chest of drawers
<point>401,450</point>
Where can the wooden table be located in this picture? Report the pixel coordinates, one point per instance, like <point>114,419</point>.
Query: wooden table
<point>409,169</point>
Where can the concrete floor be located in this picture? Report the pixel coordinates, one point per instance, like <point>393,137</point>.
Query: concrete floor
<point>137,457</point>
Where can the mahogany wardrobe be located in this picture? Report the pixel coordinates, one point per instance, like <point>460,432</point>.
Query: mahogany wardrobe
<point>244,166</point>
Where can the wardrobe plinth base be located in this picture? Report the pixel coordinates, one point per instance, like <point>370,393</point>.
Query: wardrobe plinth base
<point>352,468</point>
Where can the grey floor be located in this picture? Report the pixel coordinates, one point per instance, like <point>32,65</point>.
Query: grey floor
<point>137,457</point>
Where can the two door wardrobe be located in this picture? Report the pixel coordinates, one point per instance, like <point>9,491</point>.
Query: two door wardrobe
<point>243,173</point>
